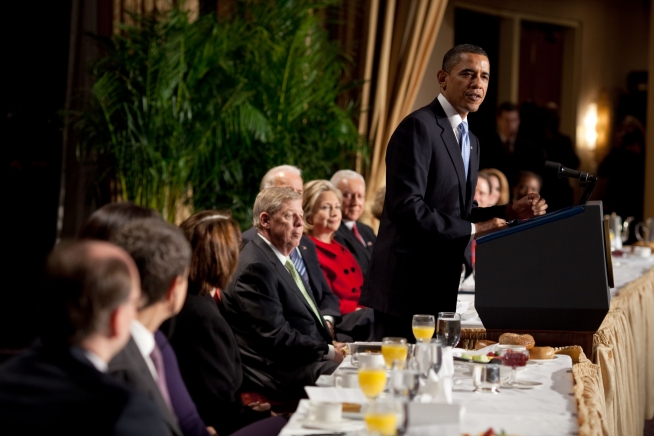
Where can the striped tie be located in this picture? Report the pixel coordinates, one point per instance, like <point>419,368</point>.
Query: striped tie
<point>298,263</point>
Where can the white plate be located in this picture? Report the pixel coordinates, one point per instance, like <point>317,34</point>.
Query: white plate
<point>544,360</point>
<point>343,424</point>
<point>353,415</point>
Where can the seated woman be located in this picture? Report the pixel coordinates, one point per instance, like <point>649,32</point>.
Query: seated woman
<point>499,192</point>
<point>322,217</point>
<point>209,358</point>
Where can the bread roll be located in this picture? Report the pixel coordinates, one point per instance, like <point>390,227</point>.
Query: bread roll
<point>541,353</point>
<point>351,407</point>
<point>481,343</point>
<point>513,339</point>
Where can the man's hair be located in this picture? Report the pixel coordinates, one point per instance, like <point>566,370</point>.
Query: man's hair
<point>507,106</point>
<point>215,240</point>
<point>453,56</point>
<point>268,180</point>
<point>111,217</point>
<point>160,251</point>
<point>270,200</point>
<point>312,191</point>
<point>80,292</point>
<point>346,175</point>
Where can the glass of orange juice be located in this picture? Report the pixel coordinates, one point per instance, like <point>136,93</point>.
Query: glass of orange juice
<point>394,349</point>
<point>423,327</point>
<point>372,379</point>
<point>381,417</point>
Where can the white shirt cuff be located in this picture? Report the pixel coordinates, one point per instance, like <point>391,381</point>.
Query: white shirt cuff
<point>329,318</point>
<point>332,352</point>
<point>472,232</point>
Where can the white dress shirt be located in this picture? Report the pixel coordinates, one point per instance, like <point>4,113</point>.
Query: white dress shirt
<point>349,224</point>
<point>145,342</point>
<point>332,351</point>
<point>455,119</point>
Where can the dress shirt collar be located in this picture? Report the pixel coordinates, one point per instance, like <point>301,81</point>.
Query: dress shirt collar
<point>95,360</point>
<point>143,337</point>
<point>452,115</point>
<point>278,253</point>
<point>349,224</point>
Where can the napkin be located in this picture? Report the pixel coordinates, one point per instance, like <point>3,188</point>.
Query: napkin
<point>462,306</point>
<point>434,419</point>
<point>438,388</point>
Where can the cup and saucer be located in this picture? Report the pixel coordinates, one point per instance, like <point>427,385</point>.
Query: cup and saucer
<point>327,416</point>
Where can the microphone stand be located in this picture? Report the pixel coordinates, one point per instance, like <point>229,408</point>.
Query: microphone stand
<point>588,183</point>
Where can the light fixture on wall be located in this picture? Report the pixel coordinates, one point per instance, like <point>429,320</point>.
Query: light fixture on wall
<point>590,126</point>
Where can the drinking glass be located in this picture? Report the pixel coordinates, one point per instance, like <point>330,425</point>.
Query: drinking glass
<point>405,383</point>
<point>394,349</point>
<point>514,358</point>
<point>381,417</point>
<point>429,355</point>
<point>372,380</point>
<point>423,327</point>
<point>486,378</point>
<point>448,328</point>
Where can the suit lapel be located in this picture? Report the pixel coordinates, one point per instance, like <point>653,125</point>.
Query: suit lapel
<point>285,276</point>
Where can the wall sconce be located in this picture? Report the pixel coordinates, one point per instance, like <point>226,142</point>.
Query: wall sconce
<point>590,126</point>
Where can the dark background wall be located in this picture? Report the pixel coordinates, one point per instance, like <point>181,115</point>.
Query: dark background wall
<point>35,51</point>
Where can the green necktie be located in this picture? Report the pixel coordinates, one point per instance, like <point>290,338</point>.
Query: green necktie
<point>298,281</point>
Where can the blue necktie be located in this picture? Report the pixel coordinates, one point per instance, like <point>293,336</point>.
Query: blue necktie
<point>298,263</point>
<point>464,141</point>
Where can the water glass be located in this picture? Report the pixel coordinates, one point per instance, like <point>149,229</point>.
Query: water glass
<point>429,356</point>
<point>448,328</point>
<point>486,378</point>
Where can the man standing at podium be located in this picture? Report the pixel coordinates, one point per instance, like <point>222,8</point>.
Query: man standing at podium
<point>429,214</point>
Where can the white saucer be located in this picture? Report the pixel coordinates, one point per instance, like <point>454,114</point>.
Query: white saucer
<point>543,360</point>
<point>521,385</point>
<point>353,415</point>
<point>343,424</point>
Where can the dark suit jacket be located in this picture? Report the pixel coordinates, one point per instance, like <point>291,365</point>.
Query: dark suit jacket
<point>130,367</point>
<point>327,302</point>
<point>344,236</point>
<point>210,363</point>
<point>59,391</point>
<point>282,342</point>
<point>425,224</point>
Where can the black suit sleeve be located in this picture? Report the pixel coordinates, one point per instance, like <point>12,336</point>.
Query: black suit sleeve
<point>409,159</point>
<point>255,293</point>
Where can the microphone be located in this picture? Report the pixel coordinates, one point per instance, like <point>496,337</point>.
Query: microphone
<point>558,170</point>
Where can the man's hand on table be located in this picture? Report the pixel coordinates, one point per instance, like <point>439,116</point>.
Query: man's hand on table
<point>528,206</point>
<point>259,407</point>
<point>338,355</point>
<point>490,226</point>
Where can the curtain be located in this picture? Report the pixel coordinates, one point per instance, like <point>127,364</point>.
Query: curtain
<point>399,42</point>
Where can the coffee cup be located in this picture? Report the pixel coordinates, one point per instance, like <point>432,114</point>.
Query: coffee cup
<point>321,411</point>
<point>370,359</point>
<point>346,379</point>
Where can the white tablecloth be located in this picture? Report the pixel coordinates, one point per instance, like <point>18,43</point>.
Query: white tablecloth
<point>546,410</point>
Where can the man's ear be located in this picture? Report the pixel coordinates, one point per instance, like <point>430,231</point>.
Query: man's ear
<point>113,329</point>
<point>264,219</point>
<point>172,290</point>
<point>441,75</point>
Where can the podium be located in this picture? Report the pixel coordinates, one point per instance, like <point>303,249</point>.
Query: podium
<point>548,275</point>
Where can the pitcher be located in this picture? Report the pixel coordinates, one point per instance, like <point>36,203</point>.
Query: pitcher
<point>645,231</point>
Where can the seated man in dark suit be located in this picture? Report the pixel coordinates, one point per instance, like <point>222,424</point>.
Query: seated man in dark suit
<point>284,341</point>
<point>304,257</point>
<point>354,235</point>
<point>163,256</point>
<point>59,387</point>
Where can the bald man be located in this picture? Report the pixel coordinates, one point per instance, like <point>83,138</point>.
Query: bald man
<point>89,302</point>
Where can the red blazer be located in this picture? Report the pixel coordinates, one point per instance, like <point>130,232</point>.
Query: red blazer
<point>342,272</point>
